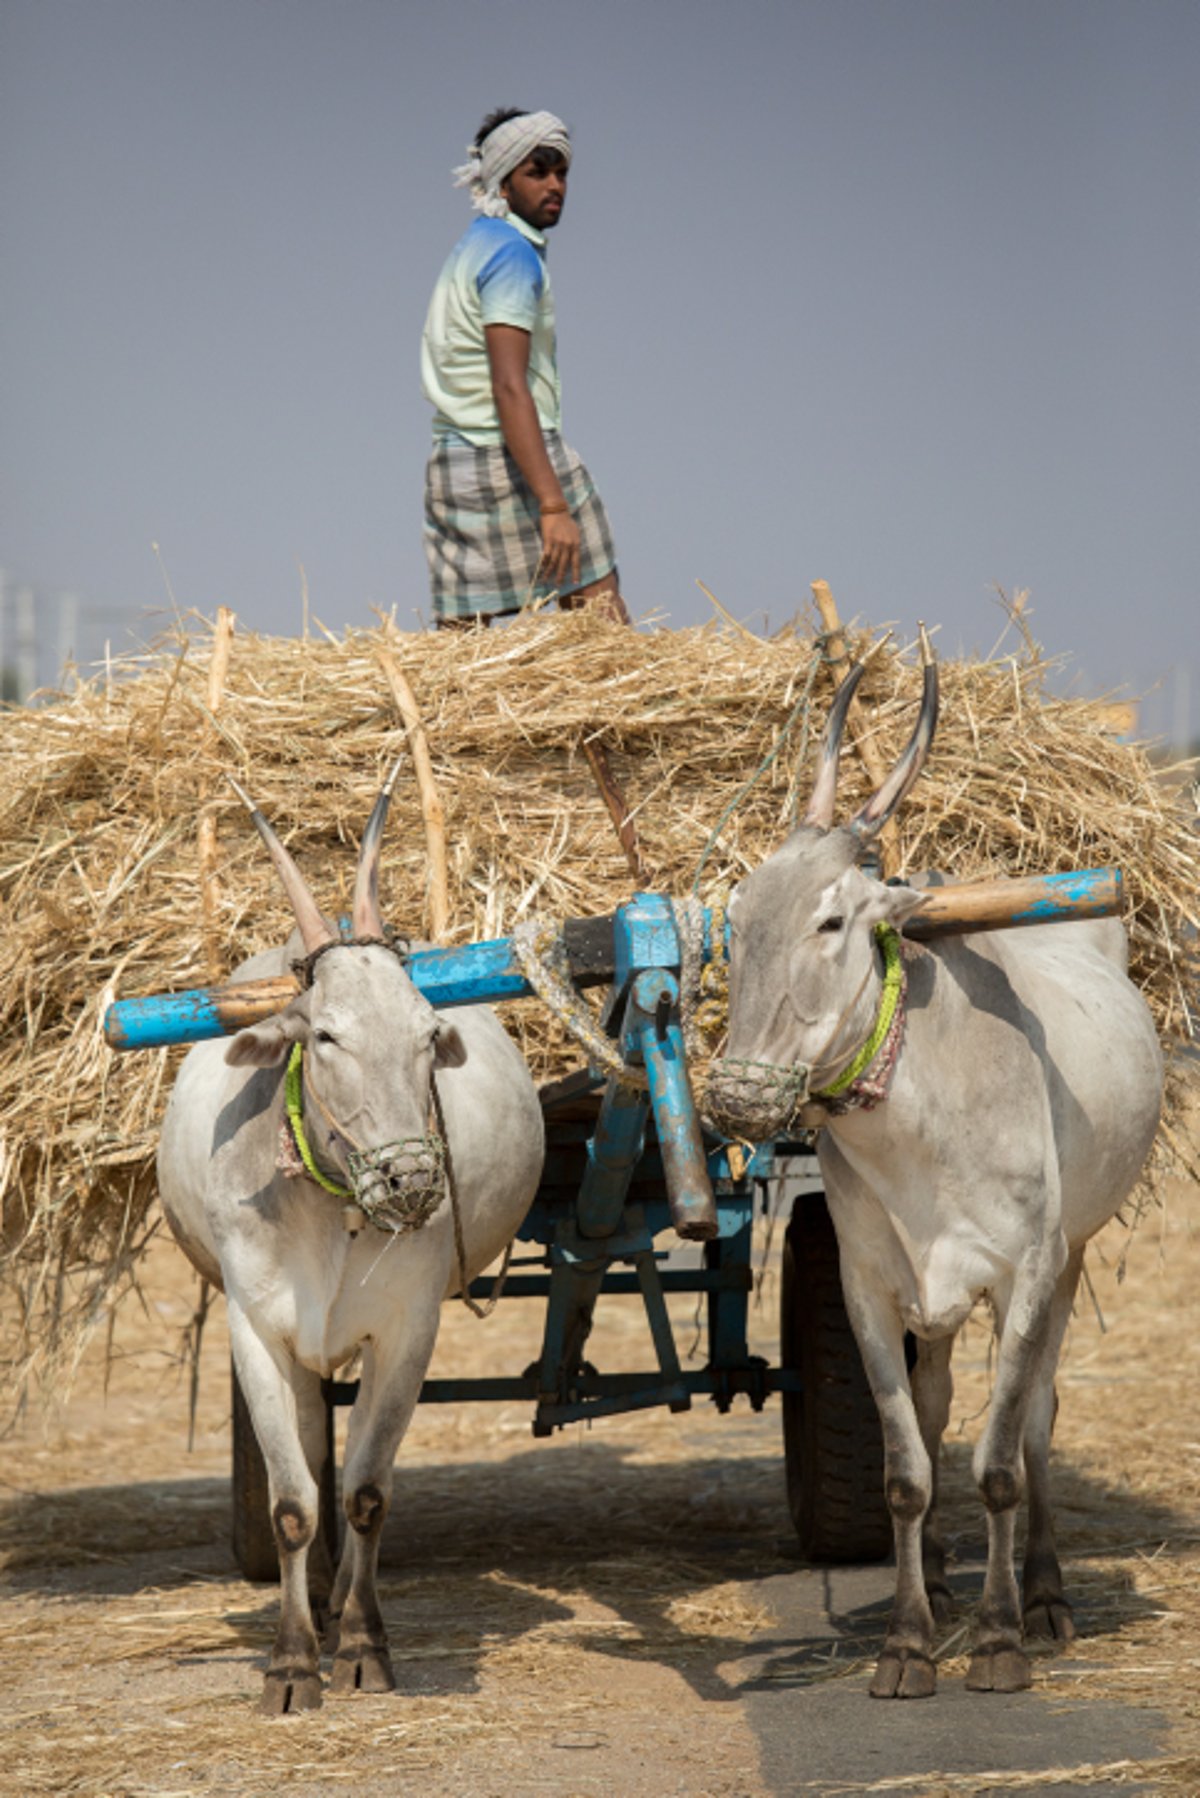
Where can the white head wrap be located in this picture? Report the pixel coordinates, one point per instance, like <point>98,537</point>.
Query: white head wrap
<point>504,150</point>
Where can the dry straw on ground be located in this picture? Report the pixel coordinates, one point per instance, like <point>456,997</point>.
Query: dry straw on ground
<point>111,796</point>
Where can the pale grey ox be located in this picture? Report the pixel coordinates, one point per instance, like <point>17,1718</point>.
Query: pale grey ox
<point>308,1279</point>
<point>1024,1098</point>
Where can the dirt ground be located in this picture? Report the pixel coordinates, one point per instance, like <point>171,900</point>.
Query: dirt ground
<point>575,1616</point>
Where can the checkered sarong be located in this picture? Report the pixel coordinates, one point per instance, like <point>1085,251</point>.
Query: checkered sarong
<point>483,538</point>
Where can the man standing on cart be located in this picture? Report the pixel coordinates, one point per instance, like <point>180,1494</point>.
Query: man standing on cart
<point>511,514</point>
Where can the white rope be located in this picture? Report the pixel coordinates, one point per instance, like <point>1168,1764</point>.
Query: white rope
<point>542,953</point>
<point>540,949</point>
<point>689,927</point>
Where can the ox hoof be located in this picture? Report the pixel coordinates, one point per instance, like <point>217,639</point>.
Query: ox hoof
<point>1049,1620</point>
<point>999,1669</point>
<point>365,1669</point>
<point>904,1673</point>
<point>290,1689</point>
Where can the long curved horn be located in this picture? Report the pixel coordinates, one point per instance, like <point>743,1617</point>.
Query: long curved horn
<point>879,808</point>
<point>824,793</point>
<point>313,928</point>
<point>367,921</point>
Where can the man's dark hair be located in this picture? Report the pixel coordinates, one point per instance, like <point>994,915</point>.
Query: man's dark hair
<point>500,117</point>
<point>544,159</point>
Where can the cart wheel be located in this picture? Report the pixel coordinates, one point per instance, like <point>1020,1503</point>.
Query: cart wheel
<point>254,1547</point>
<point>832,1439</point>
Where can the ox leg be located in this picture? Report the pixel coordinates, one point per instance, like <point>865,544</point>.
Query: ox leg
<point>312,1424</point>
<point>1047,1614</point>
<point>361,1660</point>
<point>293,1681</point>
<point>999,1662</point>
<point>932,1390</point>
<point>905,1668</point>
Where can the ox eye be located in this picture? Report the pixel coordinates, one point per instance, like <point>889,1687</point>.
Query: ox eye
<point>323,1036</point>
<point>830,924</point>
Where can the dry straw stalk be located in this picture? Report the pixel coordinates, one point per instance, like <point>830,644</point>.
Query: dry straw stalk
<point>103,888</point>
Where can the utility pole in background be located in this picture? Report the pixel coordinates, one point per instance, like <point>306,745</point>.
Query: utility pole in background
<point>1182,738</point>
<point>25,643</point>
<point>47,637</point>
<point>68,639</point>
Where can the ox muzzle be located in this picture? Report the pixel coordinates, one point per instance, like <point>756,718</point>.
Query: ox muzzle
<point>755,1100</point>
<point>399,1185</point>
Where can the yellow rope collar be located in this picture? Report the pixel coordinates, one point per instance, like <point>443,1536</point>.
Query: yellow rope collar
<point>889,941</point>
<point>293,1095</point>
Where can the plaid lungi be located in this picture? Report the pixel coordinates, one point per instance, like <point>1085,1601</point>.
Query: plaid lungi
<point>483,538</point>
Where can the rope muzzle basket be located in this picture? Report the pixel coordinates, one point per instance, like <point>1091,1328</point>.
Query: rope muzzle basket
<point>754,1100</point>
<point>399,1185</point>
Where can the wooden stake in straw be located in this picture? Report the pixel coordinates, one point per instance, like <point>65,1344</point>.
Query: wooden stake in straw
<point>431,801</point>
<point>206,834</point>
<point>856,725</point>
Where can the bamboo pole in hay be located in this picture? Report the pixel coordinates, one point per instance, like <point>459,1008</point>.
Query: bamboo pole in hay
<point>432,811</point>
<point>856,724</point>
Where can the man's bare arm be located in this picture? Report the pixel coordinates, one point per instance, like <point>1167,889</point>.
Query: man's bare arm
<point>508,355</point>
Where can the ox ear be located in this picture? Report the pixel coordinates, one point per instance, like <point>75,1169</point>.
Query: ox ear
<point>265,1045</point>
<point>891,904</point>
<point>449,1050</point>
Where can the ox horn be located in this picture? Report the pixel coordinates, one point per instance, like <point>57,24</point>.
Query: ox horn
<point>313,928</point>
<point>879,808</point>
<point>820,806</point>
<point>367,920</point>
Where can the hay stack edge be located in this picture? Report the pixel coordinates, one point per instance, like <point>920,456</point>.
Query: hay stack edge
<point>128,867</point>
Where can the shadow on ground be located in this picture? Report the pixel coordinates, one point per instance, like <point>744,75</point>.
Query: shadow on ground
<point>580,1540</point>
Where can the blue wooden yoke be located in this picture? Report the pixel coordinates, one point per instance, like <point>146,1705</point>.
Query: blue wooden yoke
<point>478,974</point>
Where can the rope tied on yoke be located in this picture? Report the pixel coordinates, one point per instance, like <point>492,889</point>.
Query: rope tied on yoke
<point>541,949</point>
<point>304,966</point>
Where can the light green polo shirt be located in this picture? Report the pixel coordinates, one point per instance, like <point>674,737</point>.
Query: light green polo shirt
<point>496,274</point>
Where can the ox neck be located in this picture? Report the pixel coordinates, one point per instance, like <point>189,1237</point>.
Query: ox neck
<point>890,996</point>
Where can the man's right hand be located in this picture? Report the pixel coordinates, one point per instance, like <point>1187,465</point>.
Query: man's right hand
<point>559,566</point>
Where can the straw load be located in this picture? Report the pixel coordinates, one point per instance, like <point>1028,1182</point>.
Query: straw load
<point>128,866</point>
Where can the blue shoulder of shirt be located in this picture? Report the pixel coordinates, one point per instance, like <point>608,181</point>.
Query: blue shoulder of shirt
<point>504,259</point>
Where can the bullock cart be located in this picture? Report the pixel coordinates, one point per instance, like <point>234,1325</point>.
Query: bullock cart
<point>630,1159</point>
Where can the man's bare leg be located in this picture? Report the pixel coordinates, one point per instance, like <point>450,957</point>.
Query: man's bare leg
<point>603,596</point>
<point>465,624</point>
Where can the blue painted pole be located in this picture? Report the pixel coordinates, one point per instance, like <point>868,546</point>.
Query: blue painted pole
<point>613,1151</point>
<point>480,973</point>
<point>653,1036</point>
<point>1009,904</point>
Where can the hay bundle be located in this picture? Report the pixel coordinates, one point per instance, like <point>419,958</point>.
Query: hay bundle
<point>129,868</point>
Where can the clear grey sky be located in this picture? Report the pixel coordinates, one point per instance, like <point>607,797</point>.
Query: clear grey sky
<point>900,293</point>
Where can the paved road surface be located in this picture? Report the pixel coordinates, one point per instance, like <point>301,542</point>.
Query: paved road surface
<point>818,1735</point>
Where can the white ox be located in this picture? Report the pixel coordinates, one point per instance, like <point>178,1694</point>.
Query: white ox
<point>308,1280</point>
<point>1023,1101</point>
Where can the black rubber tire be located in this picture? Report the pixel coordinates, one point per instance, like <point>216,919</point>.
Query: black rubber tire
<point>254,1547</point>
<point>832,1440</point>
